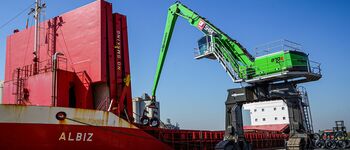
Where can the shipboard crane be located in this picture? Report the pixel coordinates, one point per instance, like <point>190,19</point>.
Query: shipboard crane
<point>240,65</point>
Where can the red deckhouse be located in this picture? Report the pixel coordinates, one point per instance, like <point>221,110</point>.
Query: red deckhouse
<point>92,65</point>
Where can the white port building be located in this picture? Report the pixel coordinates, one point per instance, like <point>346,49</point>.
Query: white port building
<point>267,113</point>
<point>140,104</point>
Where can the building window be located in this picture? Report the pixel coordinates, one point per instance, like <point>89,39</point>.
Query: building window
<point>254,110</point>
<point>263,109</point>
<point>284,118</point>
<point>264,119</point>
<point>282,108</point>
<point>276,118</point>
<point>274,109</point>
<point>256,119</point>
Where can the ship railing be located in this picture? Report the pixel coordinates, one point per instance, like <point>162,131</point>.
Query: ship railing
<point>104,104</point>
<point>199,139</point>
<point>84,78</point>
<point>62,63</point>
<point>43,67</point>
<point>28,70</point>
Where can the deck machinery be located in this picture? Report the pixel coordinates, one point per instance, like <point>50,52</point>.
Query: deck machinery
<point>273,76</point>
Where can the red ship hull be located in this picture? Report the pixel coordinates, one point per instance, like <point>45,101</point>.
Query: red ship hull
<point>36,127</point>
<point>49,136</point>
<point>80,131</point>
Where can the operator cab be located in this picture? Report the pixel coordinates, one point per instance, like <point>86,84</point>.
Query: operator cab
<point>205,48</point>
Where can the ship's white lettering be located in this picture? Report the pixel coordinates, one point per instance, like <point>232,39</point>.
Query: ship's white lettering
<point>84,137</point>
<point>90,137</point>
<point>62,137</point>
<point>118,50</point>
<point>69,138</point>
<point>76,136</point>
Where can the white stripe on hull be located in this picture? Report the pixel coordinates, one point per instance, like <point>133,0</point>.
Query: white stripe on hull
<point>47,115</point>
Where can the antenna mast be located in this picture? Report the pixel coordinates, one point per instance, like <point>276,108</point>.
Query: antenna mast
<point>36,11</point>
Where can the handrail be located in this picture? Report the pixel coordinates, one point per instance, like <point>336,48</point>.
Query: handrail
<point>43,67</point>
<point>277,45</point>
<point>315,66</point>
<point>104,104</point>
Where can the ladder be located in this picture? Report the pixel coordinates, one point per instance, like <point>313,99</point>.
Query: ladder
<point>18,86</point>
<point>216,51</point>
<point>305,106</point>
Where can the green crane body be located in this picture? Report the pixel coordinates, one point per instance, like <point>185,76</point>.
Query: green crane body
<point>217,45</point>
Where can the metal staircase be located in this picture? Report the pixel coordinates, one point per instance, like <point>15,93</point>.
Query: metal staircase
<point>305,106</point>
<point>215,51</point>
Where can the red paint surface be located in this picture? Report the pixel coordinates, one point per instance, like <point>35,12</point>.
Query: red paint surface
<point>274,127</point>
<point>95,47</point>
<point>79,36</point>
<point>122,65</point>
<point>46,136</point>
<point>204,140</point>
<point>40,94</point>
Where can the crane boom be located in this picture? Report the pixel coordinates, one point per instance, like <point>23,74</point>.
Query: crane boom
<point>236,60</point>
<point>203,25</point>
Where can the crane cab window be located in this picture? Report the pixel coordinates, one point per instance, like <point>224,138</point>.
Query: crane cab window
<point>204,45</point>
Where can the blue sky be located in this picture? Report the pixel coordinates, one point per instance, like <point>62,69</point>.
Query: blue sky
<point>192,92</point>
